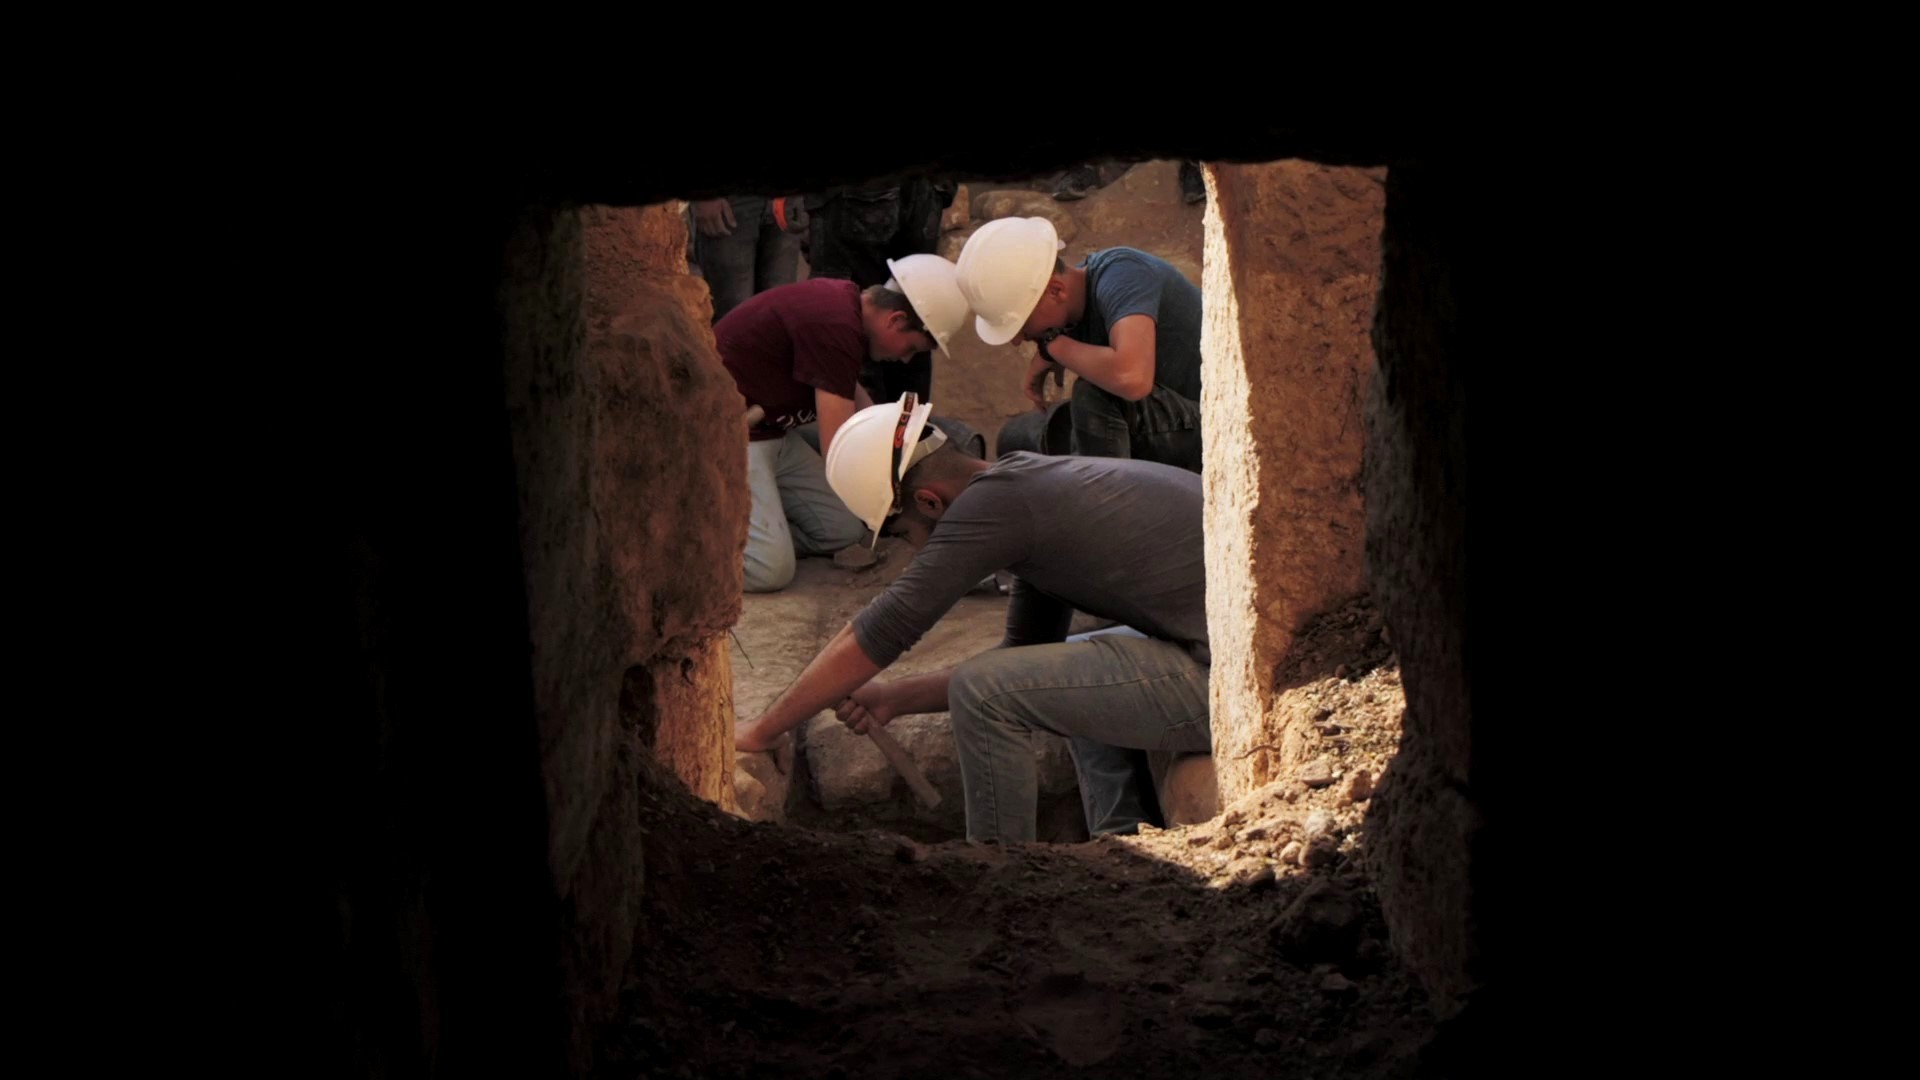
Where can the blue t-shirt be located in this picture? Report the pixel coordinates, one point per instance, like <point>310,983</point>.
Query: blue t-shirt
<point>1123,282</point>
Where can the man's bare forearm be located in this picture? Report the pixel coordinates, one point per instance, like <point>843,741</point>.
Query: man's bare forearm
<point>1104,367</point>
<point>920,693</point>
<point>839,670</point>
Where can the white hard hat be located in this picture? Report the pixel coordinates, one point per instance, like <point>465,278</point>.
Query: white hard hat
<point>860,460</point>
<point>1003,273</point>
<point>930,286</point>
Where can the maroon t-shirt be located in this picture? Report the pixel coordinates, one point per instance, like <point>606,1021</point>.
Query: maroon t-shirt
<point>783,343</point>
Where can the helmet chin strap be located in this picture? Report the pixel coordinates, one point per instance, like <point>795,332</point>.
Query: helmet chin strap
<point>932,439</point>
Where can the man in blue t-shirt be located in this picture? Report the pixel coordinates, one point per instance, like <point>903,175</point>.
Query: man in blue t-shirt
<point>1126,322</point>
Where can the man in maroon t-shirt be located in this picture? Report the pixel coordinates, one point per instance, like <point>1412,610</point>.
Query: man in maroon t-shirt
<point>796,352</point>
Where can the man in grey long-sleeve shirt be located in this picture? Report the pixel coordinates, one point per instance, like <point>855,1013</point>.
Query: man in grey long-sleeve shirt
<point>1112,537</point>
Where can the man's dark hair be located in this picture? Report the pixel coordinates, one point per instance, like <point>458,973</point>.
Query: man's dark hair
<point>887,300</point>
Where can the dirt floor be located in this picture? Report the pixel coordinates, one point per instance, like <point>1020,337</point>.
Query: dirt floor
<point>1250,945</point>
<point>1247,946</point>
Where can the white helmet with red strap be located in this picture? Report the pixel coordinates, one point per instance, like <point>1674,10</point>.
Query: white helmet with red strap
<point>862,466</point>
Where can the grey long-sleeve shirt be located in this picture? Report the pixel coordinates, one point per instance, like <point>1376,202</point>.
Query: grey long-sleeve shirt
<point>1115,538</point>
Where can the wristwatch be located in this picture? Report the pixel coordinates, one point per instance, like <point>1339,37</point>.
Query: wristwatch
<point>1046,338</point>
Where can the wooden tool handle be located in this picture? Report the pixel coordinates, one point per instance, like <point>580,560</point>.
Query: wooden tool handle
<point>904,765</point>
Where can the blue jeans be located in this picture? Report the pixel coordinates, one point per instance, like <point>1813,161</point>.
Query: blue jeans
<point>1162,427</point>
<point>755,257</point>
<point>792,511</point>
<point>1109,692</point>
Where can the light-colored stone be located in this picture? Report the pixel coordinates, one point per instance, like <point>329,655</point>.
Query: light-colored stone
<point>993,205</point>
<point>1188,793</point>
<point>959,214</point>
<point>1142,209</point>
<point>751,797</point>
<point>1319,823</point>
<point>952,243</point>
<point>1360,787</point>
<point>848,771</point>
<point>1153,182</point>
<point>1107,215</point>
<point>1291,266</point>
<point>1317,773</point>
<point>762,782</point>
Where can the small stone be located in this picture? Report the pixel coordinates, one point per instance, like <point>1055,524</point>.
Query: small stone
<point>1255,879</point>
<point>1360,787</point>
<point>1321,926</point>
<point>1319,823</point>
<point>960,214</point>
<point>1266,1038</point>
<point>1317,773</point>
<point>856,557</point>
<point>1212,1016</point>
